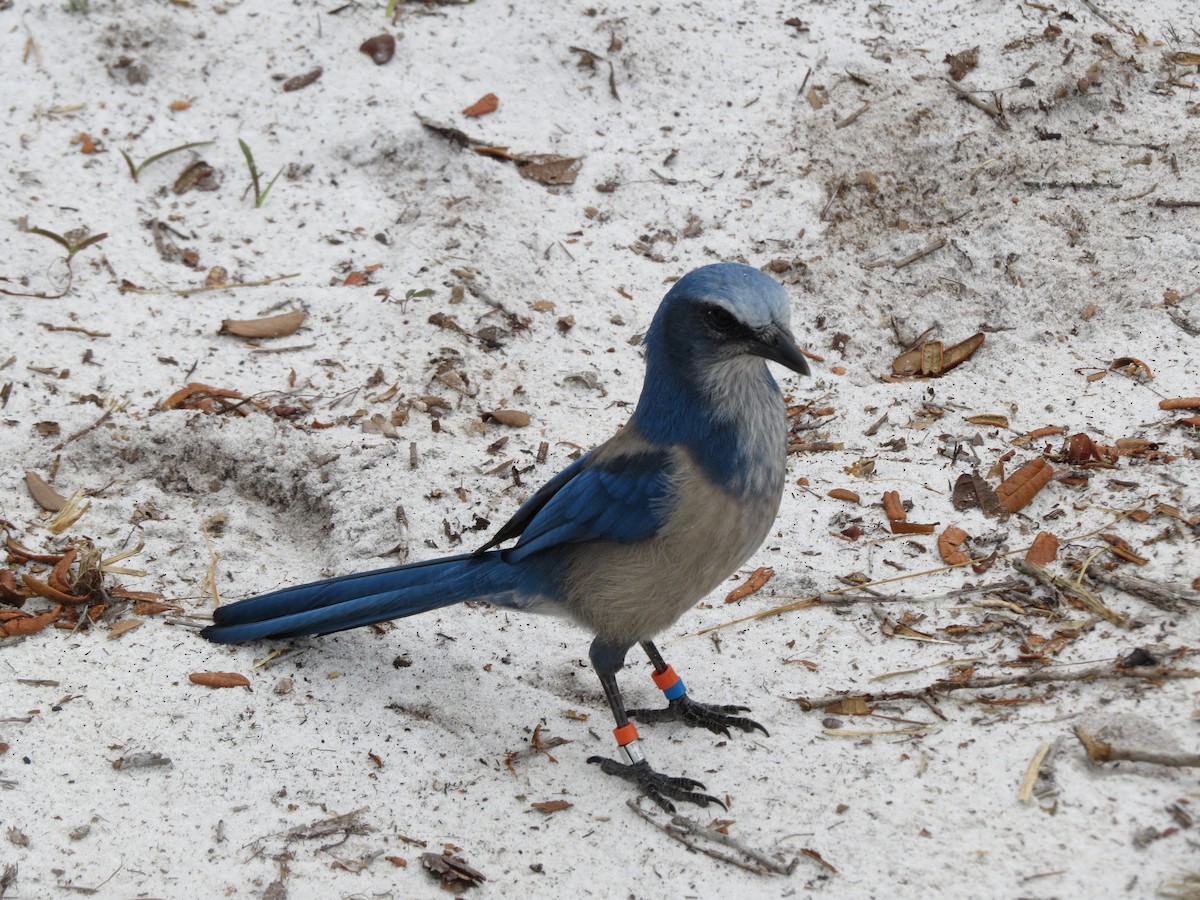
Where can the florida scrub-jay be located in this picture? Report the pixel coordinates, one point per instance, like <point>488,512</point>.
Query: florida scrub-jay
<point>628,537</point>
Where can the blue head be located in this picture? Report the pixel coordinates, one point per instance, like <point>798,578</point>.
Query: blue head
<point>717,315</point>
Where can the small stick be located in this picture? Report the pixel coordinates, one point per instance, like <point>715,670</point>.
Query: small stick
<point>992,109</point>
<point>682,828</point>
<point>100,421</point>
<point>1041,676</point>
<point>1063,586</point>
<point>1102,15</point>
<point>1099,751</point>
<point>1164,596</point>
<point>933,247</point>
<point>1177,204</point>
<point>853,117</point>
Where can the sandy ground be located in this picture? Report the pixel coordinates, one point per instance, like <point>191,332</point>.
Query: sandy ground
<point>823,142</point>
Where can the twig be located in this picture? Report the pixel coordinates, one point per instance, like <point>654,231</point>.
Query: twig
<point>935,245</point>
<point>81,432</point>
<point>1099,751</point>
<point>1164,596</point>
<point>1103,16</point>
<point>187,292</point>
<point>347,823</point>
<point>686,831</point>
<point>853,117</point>
<point>1065,586</point>
<point>1028,679</point>
<point>1177,204</point>
<point>992,109</point>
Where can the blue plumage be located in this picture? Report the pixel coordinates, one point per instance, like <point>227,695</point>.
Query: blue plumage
<point>631,535</point>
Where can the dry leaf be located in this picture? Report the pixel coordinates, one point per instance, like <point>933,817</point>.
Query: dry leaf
<point>752,585</point>
<point>949,544</point>
<point>123,627</point>
<point>43,495</point>
<point>550,168</point>
<point>551,806</point>
<point>989,420</point>
<point>219,679</point>
<point>452,871</point>
<point>1043,550</point>
<point>268,327</point>
<point>1022,486</point>
<point>25,624</point>
<point>844,494</point>
<point>511,417</point>
<point>488,103</point>
<point>849,706</point>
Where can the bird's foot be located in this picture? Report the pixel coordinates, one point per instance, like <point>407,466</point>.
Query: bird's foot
<point>717,719</point>
<point>660,788</point>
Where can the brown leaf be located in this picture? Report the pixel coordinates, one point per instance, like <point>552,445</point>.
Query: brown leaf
<point>989,420</point>
<point>452,871</point>
<point>488,103</point>
<point>1131,367</point>
<point>1022,485</point>
<point>45,591</point>
<point>849,706</point>
<point>756,582</point>
<point>43,495</point>
<point>1043,550</point>
<point>845,494</point>
<point>551,806</point>
<point>219,679</point>
<point>513,418</point>
<point>267,327</point>
<point>550,168</point>
<point>949,544</point>
<point>123,627</point>
<point>24,624</point>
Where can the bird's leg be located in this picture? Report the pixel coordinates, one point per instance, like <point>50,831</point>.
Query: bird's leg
<point>660,788</point>
<point>681,707</point>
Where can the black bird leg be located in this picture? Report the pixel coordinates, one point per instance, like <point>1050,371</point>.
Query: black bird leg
<point>662,789</point>
<point>681,707</point>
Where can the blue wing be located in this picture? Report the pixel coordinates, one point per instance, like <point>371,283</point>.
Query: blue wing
<point>623,498</point>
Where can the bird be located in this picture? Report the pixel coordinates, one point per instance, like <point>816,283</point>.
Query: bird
<point>629,536</point>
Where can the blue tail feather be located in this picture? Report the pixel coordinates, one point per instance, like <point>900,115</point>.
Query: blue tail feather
<point>364,598</point>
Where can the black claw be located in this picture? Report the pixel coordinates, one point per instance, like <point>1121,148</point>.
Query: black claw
<point>717,719</point>
<point>657,786</point>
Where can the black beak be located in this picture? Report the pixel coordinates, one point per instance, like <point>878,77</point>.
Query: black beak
<point>777,345</point>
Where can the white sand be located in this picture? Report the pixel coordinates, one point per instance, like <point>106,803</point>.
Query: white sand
<point>1055,248</point>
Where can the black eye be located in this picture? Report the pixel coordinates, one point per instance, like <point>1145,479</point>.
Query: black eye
<point>720,318</point>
